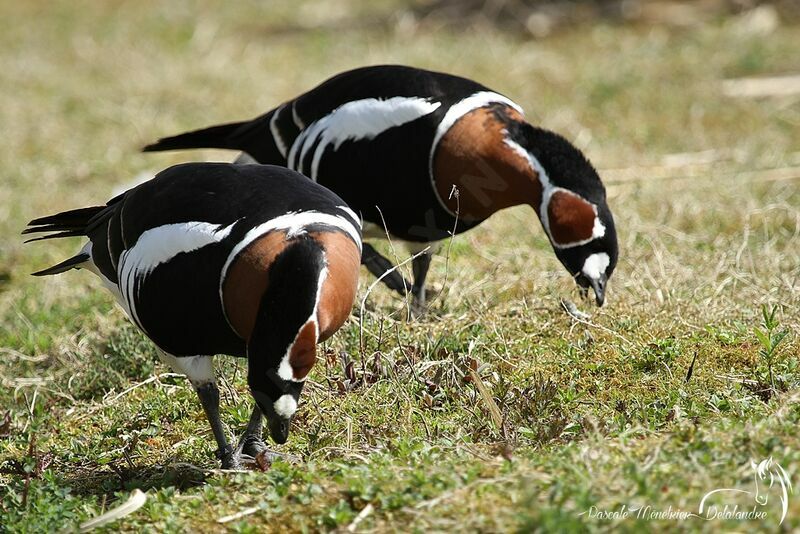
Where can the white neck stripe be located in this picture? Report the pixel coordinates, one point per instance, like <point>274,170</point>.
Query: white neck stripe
<point>548,189</point>
<point>285,370</point>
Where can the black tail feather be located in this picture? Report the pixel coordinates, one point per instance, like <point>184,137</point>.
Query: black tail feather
<point>67,223</point>
<point>71,223</point>
<point>48,228</point>
<point>221,136</point>
<point>72,218</point>
<point>70,233</point>
<point>65,265</point>
<point>253,137</point>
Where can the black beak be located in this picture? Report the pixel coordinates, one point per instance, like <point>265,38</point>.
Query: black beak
<point>599,286</point>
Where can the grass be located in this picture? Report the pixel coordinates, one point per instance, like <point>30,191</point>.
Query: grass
<point>660,397</point>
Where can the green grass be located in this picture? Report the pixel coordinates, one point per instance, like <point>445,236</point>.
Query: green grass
<point>594,414</point>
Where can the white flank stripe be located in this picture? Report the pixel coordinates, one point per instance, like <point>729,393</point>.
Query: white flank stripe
<point>276,134</point>
<point>456,111</point>
<point>159,245</point>
<point>198,369</point>
<point>356,120</point>
<point>548,189</point>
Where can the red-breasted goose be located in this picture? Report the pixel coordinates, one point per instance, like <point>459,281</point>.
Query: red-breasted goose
<point>254,261</point>
<point>427,154</point>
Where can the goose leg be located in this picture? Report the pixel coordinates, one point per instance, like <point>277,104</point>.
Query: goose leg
<point>251,442</point>
<point>209,398</point>
<point>420,266</point>
<point>200,372</point>
<point>378,265</point>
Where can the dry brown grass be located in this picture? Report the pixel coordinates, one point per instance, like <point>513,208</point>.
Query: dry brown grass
<point>706,197</point>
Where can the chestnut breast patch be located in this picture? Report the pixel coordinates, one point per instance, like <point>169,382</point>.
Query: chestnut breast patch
<point>339,288</point>
<point>246,281</point>
<point>474,158</point>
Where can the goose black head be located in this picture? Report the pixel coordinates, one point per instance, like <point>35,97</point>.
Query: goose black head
<point>573,209</point>
<point>282,347</point>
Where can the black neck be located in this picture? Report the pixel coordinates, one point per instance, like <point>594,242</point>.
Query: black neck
<point>286,305</point>
<point>566,166</point>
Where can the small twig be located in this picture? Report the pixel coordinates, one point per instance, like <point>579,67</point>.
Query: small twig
<point>134,502</point>
<point>238,515</point>
<point>20,356</point>
<point>669,371</point>
<point>430,503</point>
<point>762,87</point>
<point>573,311</point>
<point>600,327</point>
<point>396,259</point>
<point>453,191</point>
<point>737,379</point>
<point>29,475</point>
<point>494,410</point>
<point>144,382</point>
<point>360,517</point>
<point>369,290</point>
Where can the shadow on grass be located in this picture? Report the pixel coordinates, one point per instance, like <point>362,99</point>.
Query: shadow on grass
<point>107,481</point>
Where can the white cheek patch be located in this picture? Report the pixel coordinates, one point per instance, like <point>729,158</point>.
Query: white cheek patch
<point>285,406</point>
<point>595,265</point>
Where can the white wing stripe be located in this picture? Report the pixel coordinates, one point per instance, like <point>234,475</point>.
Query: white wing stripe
<point>356,120</point>
<point>159,245</point>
